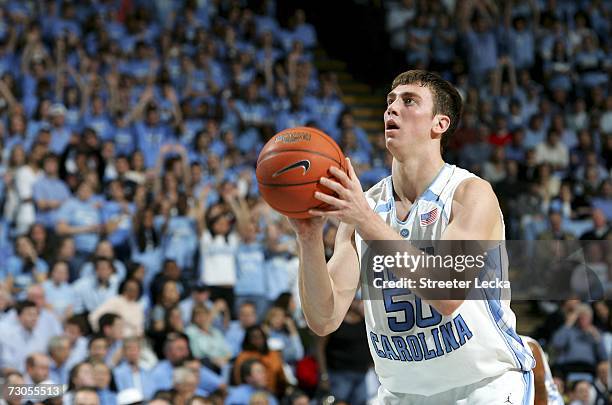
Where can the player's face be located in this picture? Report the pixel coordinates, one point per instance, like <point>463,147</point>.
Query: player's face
<point>408,118</point>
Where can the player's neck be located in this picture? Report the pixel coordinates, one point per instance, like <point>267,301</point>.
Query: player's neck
<point>412,176</point>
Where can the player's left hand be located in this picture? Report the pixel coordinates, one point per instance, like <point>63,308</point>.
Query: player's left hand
<point>349,205</point>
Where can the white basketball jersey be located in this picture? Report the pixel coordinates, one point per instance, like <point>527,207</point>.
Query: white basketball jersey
<point>554,396</point>
<point>416,350</point>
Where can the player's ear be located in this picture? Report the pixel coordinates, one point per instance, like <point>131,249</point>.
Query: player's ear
<point>440,123</point>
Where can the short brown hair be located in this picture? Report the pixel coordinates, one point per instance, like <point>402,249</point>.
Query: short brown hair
<point>446,99</point>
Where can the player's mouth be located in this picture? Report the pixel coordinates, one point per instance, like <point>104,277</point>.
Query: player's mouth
<point>391,125</point>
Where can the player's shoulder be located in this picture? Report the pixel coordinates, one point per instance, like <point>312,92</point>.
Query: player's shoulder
<point>473,188</point>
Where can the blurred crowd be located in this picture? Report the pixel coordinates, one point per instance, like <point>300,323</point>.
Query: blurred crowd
<point>137,260</point>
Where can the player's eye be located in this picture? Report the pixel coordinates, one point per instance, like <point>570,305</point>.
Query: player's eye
<point>408,100</point>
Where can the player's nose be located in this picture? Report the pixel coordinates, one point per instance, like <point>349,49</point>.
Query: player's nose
<point>391,109</point>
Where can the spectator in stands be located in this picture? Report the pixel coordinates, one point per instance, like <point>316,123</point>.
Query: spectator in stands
<point>205,340</point>
<point>49,192</point>
<point>255,346</point>
<point>234,335</point>
<point>37,368</point>
<point>104,383</point>
<point>283,334</point>
<point>343,360</point>
<point>578,342</point>
<point>79,217</point>
<point>86,396</point>
<point>553,151</point>
<point>184,384</point>
<point>22,337</point>
<point>59,352</point>
<point>81,376</point>
<point>130,373</point>
<point>13,378</point>
<point>176,350</point>
<point>92,292</point>
<point>104,249</point>
<point>97,348</point>
<point>600,229</point>
<point>24,268</point>
<point>127,306</point>
<point>254,377</point>
<point>58,292</point>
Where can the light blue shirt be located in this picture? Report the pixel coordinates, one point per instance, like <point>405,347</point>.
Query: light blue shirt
<point>234,335</point>
<point>162,376</point>
<point>90,294</point>
<point>251,276</point>
<point>60,296</point>
<point>78,213</point>
<point>241,395</point>
<point>17,343</point>
<point>50,189</point>
<point>124,378</point>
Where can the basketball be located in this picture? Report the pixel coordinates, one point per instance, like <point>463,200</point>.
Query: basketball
<point>290,166</point>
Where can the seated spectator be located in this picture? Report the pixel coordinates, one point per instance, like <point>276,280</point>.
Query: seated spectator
<point>24,268</point>
<point>592,278</point>
<point>127,306</point>
<point>97,348</point>
<point>184,385</point>
<point>104,249</point>
<point>343,360</point>
<point>59,352</point>
<point>578,343</point>
<point>283,334</point>
<point>37,369</point>
<point>255,346</point>
<point>91,292</point>
<point>600,229</point>
<point>87,396</point>
<point>171,272</point>
<point>23,337</point>
<point>104,384</point>
<point>555,229</point>
<point>176,350</point>
<point>553,151</point>
<point>173,322</point>
<point>129,373</point>
<point>81,377</point>
<point>58,291</point>
<point>205,340</point>
<point>234,335</point>
<point>13,378</point>
<point>494,169</point>
<point>254,377</point>
<point>167,299</point>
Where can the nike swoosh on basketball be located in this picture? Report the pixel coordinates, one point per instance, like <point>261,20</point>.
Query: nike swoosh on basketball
<point>305,164</point>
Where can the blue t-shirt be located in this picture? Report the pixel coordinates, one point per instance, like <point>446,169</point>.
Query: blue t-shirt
<point>181,241</point>
<point>49,189</point>
<point>114,211</point>
<point>150,140</point>
<point>251,276</point>
<point>78,213</point>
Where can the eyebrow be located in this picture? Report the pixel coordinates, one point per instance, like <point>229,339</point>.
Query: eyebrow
<point>404,94</point>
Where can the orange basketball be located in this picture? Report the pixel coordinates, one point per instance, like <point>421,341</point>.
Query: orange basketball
<point>290,166</point>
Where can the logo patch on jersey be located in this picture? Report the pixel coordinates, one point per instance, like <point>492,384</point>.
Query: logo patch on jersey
<point>430,217</point>
<point>404,233</point>
<point>304,164</point>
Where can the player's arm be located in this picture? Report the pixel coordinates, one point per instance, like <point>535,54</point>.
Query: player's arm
<point>475,216</point>
<point>539,377</point>
<point>326,289</point>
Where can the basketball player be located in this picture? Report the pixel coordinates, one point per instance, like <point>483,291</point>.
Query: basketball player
<point>546,391</point>
<point>457,352</point>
